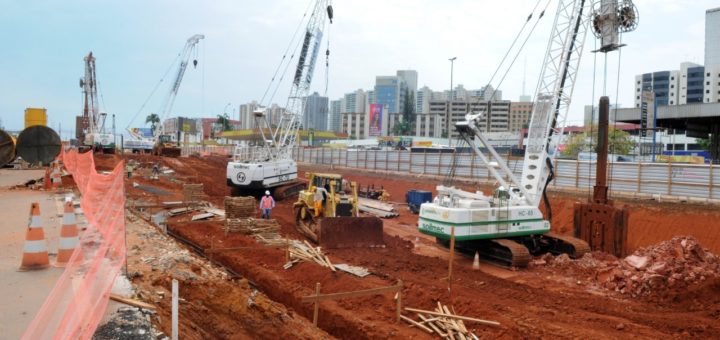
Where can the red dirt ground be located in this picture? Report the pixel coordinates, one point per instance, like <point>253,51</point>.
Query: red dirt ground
<point>534,304</point>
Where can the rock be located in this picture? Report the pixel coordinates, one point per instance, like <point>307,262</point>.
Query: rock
<point>638,262</point>
<point>620,326</point>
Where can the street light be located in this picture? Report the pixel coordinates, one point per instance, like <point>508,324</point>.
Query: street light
<point>450,99</point>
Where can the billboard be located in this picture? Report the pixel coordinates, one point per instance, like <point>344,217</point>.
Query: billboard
<point>375,125</point>
<point>647,112</point>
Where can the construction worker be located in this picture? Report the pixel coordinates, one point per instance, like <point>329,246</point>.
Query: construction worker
<point>129,168</point>
<point>267,202</point>
<point>319,199</point>
<point>155,171</point>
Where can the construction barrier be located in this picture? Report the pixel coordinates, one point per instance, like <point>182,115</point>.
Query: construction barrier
<point>78,301</point>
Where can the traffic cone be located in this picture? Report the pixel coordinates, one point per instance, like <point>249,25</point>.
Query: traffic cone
<point>35,253</point>
<point>56,178</point>
<point>476,262</point>
<point>68,236</point>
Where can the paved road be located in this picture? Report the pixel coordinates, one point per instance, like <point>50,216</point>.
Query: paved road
<point>23,292</point>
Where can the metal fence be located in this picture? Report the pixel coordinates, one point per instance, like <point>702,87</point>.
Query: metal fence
<point>679,180</point>
<point>207,150</point>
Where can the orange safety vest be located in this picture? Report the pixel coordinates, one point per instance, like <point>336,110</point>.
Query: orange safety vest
<point>267,202</point>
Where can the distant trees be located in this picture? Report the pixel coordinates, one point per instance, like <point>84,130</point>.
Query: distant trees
<point>404,127</point>
<point>223,122</point>
<point>619,142</point>
<point>153,120</point>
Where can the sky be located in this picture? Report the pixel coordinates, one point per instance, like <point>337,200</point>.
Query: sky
<point>136,41</point>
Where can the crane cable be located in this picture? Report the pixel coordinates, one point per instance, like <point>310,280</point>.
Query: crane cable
<point>617,93</point>
<point>515,41</point>
<point>153,91</point>
<point>532,30</point>
<point>282,60</point>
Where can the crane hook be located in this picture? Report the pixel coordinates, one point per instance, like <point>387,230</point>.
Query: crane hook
<point>195,63</point>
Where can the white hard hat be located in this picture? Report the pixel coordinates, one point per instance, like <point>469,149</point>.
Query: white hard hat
<point>267,192</point>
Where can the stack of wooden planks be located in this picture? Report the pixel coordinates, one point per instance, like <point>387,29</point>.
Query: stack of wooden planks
<point>251,226</point>
<point>303,251</point>
<point>444,323</point>
<point>192,192</point>
<point>240,207</point>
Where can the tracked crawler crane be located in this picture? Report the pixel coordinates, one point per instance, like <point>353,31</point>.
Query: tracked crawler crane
<point>95,135</point>
<point>271,166</point>
<point>508,226</point>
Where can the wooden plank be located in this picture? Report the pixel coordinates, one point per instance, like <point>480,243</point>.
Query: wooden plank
<point>431,324</point>
<point>459,317</point>
<point>415,323</point>
<point>131,302</point>
<point>316,311</point>
<point>345,295</point>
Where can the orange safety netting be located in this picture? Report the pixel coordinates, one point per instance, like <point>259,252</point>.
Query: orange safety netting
<point>78,301</point>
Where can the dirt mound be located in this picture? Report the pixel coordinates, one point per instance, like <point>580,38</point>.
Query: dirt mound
<point>659,271</point>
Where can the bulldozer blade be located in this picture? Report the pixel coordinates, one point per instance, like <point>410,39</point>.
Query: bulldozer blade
<point>351,232</point>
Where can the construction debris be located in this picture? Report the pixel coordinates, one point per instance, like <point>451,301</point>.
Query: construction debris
<point>377,208</point>
<point>240,207</point>
<point>444,323</point>
<point>355,270</point>
<point>303,251</point>
<point>654,271</point>
<point>251,226</point>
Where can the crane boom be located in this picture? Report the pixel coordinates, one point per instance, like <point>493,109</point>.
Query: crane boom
<point>89,86</point>
<point>188,49</point>
<point>511,216</point>
<point>271,166</point>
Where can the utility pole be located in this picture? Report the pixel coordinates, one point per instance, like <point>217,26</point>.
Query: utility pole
<point>450,99</point>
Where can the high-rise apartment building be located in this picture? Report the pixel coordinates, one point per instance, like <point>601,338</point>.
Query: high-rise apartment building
<point>246,116</point>
<point>315,116</point>
<point>334,118</point>
<point>354,102</point>
<point>712,37</point>
<point>497,120</point>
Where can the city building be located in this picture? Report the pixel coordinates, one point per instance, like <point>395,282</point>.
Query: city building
<point>429,125</point>
<point>712,37</point>
<point>422,99</point>
<point>519,117</point>
<point>315,116</point>
<point>334,118</point>
<point>496,121</point>
<point>410,77</point>
<point>246,116</point>
<point>354,102</point>
<point>665,84</point>
<point>354,124</point>
<point>390,92</point>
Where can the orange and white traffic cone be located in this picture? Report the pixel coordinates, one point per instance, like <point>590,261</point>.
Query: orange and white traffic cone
<point>476,262</point>
<point>35,252</point>
<point>68,236</point>
<point>56,178</point>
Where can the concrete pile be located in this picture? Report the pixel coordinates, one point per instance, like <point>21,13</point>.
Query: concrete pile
<point>672,265</point>
<point>240,207</point>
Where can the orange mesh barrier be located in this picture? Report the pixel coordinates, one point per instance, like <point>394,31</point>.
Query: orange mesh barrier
<point>78,301</point>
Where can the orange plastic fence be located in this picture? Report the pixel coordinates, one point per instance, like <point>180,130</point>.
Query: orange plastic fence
<point>78,301</point>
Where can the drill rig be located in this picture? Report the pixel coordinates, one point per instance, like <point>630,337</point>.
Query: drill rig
<point>271,167</point>
<point>94,134</point>
<point>508,227</point>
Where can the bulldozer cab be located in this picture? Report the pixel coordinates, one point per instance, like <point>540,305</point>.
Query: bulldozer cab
<point>337,224</point>
<point>326,181</point>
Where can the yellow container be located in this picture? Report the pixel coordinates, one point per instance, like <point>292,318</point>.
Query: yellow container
<point>35,116</point>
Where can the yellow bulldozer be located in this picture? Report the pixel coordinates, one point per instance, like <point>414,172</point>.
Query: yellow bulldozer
<point>327,213</point>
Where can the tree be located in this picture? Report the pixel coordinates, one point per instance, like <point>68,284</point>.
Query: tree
<point>223,121</point>
<point>619,142</point>
<point>153,119</point>
<point>404,127</point>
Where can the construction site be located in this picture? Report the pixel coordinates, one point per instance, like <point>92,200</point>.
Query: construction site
<point>270,237</point>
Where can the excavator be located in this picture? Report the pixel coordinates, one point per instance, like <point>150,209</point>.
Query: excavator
<point>507,227</point>
<point>337,223</point>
